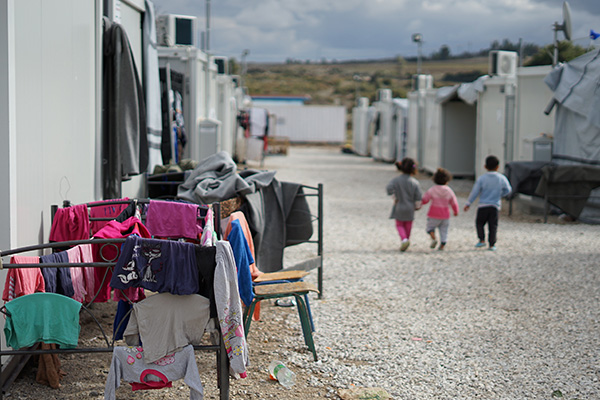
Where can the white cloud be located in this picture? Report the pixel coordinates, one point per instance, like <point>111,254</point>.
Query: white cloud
<point>275,30</point>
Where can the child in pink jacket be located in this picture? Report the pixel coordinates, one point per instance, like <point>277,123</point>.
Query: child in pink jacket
<point>438,216</point>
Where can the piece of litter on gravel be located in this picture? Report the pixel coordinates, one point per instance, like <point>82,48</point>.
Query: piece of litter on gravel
<point>417,339</point>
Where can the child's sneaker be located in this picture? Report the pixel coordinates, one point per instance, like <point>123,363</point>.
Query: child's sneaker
<point>480,244</point>
<point>492,248</point>
<point>433,243</point>
<point>404,245</point>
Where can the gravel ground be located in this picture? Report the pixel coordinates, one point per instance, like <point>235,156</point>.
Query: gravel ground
<point>518,323</point>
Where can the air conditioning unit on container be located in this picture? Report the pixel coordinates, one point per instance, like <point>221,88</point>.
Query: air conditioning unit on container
<point>384,95</point>
<point>422,81</point>
<point>176,30</point>
<point>503,63</point>
<point>362,102</point>
<point>222,65</point>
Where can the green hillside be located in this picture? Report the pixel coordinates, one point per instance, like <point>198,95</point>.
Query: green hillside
<point>342,83</point>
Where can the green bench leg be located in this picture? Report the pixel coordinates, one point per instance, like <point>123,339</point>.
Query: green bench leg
<point>306,326</point>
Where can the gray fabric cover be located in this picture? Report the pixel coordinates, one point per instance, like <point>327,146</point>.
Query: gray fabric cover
<point>577,128</point>
<point>524,176</point>
<point>573,183</point>
<point>467,92</point>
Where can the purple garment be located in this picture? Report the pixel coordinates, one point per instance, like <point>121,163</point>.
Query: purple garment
<point>57,280</point>
<point>157,265</point>
<point>172,219</point>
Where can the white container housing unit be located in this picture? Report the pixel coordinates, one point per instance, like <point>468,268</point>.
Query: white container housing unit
<point>400,127</point>
<point>309,124</point>
<point>228,102</point>
<point>197,91</point>
<point>458,126</point>
<point>533,95</point>
<point>424,135</point>
<point>495,122</point>
<point>383,142</point>
<point>362,116</point>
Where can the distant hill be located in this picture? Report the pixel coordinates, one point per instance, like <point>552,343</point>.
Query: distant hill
<point>341,83</point>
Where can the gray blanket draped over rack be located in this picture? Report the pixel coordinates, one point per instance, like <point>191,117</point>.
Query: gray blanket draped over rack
<point>277,212</point>
<point>216,179</point>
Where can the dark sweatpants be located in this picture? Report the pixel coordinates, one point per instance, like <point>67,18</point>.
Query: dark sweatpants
<point>487,215</point>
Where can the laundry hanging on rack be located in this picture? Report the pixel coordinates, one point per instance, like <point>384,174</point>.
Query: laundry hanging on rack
<point>164,323</point>
<point>171,219</point>
<point>239,216</point>
<point>22,281</point>
<point>206,263</point>
<point>243,259</point>
<point>156,265</point>
<point>124,136</point>
<point>84,254</point>
<point>42,317</point>
<point>229,309</point>
<point>128,363</point>
<point>279,216</point>
<point>215,178</point>
<point>104,253</point>
<point>70,223</point>
<point>58,280</point>
<point>209,236</point>
<point>107,210</point>
<point>49,372</point>
<point>77,278</point>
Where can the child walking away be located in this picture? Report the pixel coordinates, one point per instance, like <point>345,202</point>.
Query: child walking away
<point>438,216</point>
<point>407,194</point>
<point>490,188</point>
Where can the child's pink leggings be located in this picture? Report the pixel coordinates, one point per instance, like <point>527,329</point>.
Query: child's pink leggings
<point>404,228</point>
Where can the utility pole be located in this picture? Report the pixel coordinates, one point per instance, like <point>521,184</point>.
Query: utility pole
<point>244,66</point>
<point>418,39</point>
<point>207,38</point>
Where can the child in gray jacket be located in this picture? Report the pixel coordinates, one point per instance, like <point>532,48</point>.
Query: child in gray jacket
<point>407,194</point>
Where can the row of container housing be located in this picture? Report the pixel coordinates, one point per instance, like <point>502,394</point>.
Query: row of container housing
<point>456,127</point>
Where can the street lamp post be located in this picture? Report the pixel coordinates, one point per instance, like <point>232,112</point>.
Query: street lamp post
<point>244,66</point>
<point>418,39</point>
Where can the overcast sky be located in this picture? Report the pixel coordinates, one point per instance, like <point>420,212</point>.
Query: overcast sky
<point>276,30</point>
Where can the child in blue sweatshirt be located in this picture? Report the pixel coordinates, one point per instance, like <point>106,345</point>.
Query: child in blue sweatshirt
<point>490,188</point>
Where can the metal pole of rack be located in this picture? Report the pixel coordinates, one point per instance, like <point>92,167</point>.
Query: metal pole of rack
<point>320,240</point>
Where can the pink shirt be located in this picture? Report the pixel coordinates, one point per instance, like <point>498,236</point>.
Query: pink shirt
<point>441,197</point>
<point>23,281</point>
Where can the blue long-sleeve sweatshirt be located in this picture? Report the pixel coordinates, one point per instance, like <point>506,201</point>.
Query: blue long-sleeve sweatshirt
<point>490,188</point>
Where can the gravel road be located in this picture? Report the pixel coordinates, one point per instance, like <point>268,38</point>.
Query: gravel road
<point>519,323</point>
<point>463,323</point>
